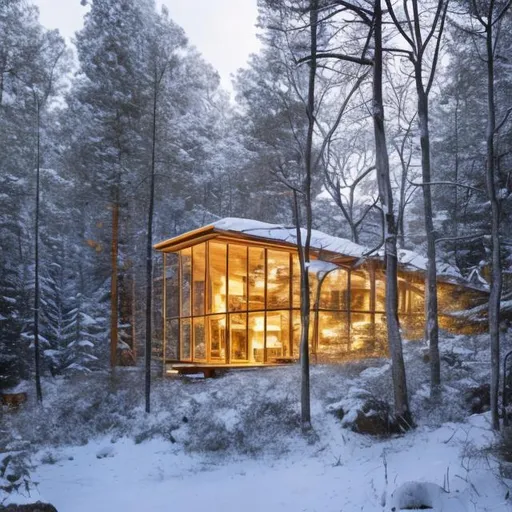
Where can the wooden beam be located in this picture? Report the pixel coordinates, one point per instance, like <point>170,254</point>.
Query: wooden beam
<point>164,311</point>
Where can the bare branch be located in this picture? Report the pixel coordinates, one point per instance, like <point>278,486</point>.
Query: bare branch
<point>398,24</point>
<point>449,183</point>
<point>339,56</point>
<point>503,121</point>
<point>455,238</point>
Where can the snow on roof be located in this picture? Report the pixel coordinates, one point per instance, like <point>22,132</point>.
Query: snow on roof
<point>319,241</point>
<point>321,267</point>
<point>415,260</point>
<point>322,241</point>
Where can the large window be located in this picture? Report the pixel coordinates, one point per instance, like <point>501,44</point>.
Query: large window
<point>240,304</point>
<point>217,285</point>
<point>278,279</point>
<point>256,278</point>
<point>237,282</point>
<point>186,281</point>
<point>333,293</point>
<point>199,279</point>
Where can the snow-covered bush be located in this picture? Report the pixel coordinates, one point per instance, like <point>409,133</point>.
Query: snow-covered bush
<point>15,468</point>
<point>244,411</point>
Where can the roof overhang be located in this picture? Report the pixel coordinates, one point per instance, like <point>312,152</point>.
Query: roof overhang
<point>210,232</point>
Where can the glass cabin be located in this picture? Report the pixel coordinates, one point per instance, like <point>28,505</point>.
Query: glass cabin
<point>233,299</point>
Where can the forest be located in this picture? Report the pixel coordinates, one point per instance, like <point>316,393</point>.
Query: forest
<point>386,123</point>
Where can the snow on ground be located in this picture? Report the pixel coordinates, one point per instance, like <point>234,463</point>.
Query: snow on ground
<point>233,443</point>
<point>346,473</point>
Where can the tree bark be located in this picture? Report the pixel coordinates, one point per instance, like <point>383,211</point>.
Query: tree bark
<point>496,275</point>
<point>149,253</point>
<point>432,325</point>
<point>401,401</point>
<point>305,308</point>
<point>113,281</point>
<point>37,355</point>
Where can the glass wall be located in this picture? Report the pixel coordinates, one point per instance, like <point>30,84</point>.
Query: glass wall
<point>256,278</point>
<point>233,307</point>
<point>240,304</point>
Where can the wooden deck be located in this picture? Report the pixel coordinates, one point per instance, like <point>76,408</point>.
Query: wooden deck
<point>210,369</point>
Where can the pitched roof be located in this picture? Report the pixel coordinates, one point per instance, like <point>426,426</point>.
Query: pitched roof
<point>331,246</point>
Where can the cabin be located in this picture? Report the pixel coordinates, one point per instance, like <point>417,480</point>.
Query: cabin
<point>230,294</point>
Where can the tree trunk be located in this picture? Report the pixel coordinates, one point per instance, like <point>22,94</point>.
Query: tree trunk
<point>113,281</point>
<point>305,308</point>
<point>149,253</point>
<point>305,303</point>
<point>37,355</point>
<point>432,326</point>
<point>456,180</point>
<point>401,400</point>
<point>496,275</point>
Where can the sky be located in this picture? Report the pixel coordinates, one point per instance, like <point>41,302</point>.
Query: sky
<point>222,30</point>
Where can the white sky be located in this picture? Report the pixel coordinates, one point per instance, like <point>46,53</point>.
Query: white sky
<point>222,30</point>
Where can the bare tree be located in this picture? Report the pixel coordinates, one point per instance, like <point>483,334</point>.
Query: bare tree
<point>402,140</point>
<point>165,41</point>
<point>372,20</point>
<point>419,32</point>
<point>489,15</point>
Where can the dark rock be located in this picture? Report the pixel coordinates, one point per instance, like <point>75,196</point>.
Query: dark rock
<point>32,507</point>
<point>478,399</point>
<point>452,360</point>
<point>374,418</point>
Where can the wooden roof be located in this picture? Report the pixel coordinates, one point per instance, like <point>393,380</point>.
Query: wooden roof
<point>326,247</point>
<point>212,231</point>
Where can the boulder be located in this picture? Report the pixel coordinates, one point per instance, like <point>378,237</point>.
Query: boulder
<point>478,398</point>
<point>374,418</point>
<point>365,414</point>
<point>32,507</point>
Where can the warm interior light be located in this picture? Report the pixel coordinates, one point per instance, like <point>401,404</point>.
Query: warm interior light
<point>258,324</point>
<point>236,286</point>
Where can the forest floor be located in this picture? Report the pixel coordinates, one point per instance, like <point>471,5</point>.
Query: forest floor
<point>234,442</point>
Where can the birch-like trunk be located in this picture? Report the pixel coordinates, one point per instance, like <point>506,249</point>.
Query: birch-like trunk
<point>37,302</point>
<point>149,254</point>
<point>401,401</point>
<point>432,326</point>
<point>490,181</point>
<point>305,302</point>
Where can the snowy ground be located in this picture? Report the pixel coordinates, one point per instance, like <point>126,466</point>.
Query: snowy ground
<point>233,443</point>
<point>346,473</point>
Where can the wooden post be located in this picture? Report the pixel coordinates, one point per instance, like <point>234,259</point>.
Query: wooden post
<point>227,357</point>
<point>164,313</point>
<point>265,299</point>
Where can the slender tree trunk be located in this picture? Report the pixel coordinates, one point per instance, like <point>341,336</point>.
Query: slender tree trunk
<point>402,410</point>
<point>149,253</point>
<point>496,276</point>
<point>432,327</point>
<point>354,232</point>
<point>304,251</point>
<point>113,282</point>
<point>37,355</point>
<point>456,180</point>
<point>305,308</point>
<point>402,205</point>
